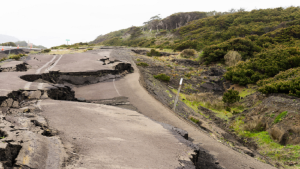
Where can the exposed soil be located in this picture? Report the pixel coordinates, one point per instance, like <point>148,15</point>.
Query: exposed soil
<point>262,118</point>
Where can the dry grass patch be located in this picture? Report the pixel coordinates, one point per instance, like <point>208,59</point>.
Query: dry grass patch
<point>232,58</point>
<point>63,52</point>
<point>209,100</point>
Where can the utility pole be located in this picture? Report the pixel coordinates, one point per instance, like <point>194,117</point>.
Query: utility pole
<point>176,99</point>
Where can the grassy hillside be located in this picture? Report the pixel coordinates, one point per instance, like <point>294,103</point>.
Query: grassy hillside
<point>267,39</point>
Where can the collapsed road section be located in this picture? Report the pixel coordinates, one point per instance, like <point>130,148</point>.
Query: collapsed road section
<point>44,124</point>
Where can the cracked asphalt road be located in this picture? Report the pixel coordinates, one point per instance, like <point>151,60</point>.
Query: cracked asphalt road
<point>111,137</point>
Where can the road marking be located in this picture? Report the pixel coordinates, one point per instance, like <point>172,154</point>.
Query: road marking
<point>47,70</point>
<point>116,88</point>
<point>40,86</point>
<point>38,71</point>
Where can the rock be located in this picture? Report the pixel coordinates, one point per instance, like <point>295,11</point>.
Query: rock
<point>45,95</point>
<point>212,87</point>
<point>34,94</point>
<point>80,99</point>
<point>279,135</point>
<point>186,62</point>
<point>10,103</point>
<point>214,71</point>
<point>140,52</point>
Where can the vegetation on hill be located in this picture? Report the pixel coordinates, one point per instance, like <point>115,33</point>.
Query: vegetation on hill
<point>25,44</point>
<point>266,39</point>
<point>8,44</point>
<point>73,46</point>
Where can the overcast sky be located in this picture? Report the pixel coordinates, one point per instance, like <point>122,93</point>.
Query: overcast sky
<point>51,22</point>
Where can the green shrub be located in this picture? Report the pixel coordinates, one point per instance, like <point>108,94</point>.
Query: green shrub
<point>16,57</point>
<point>46,50</point>
<point>264,65</point>
<point>216,53</point>
<point>187,53</point>
<point>231,96</point>
<point>142,64</point>
<point>284,82</point>
<point>3,59</point>
<point>280,117</point>
<point>162,77</point>
<point>194,120</point>
<point>153,52</point>
<point>89,48</point>
<point>189,44</point>
<point>200,57</point>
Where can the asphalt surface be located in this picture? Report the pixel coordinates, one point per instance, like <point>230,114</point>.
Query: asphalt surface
<point>111,137</point>
<point>103,136</point>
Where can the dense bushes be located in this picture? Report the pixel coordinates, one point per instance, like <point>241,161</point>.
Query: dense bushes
<point>284,82</point>
<point>189,44</point>
<point>187,53</point>
<point>213,29</point>
<point>244,46</point>
<point>263,65</point>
